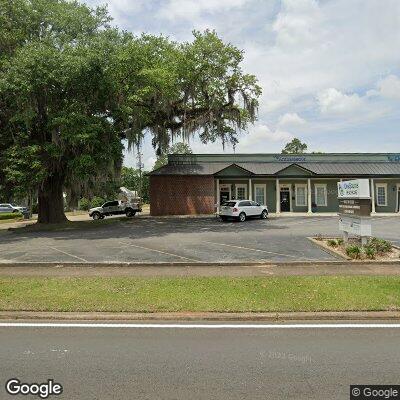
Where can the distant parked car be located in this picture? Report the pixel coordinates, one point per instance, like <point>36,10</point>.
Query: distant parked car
<point>116,207</point>
<point>242,209</point>
<point>9,208</point>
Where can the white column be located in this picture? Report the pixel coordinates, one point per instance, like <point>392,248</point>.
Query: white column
<point>218,195</point>
<point>309,196</point>
<point>250,191</point>
<point>278,197</point>
<point>372,188</point>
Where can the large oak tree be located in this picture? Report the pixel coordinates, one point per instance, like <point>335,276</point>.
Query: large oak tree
<point>72,87</point>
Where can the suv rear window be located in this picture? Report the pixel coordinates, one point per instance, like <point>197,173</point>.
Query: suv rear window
<point>229,203</point>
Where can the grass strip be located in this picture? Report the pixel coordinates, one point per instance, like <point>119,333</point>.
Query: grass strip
<point>220,294</point>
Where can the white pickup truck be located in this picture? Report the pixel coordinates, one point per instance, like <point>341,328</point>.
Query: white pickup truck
<point>116,207</point>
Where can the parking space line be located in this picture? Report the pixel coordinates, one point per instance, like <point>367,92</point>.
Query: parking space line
<point>261,251</point>
<point>159,251</point>
<point>68,254</point>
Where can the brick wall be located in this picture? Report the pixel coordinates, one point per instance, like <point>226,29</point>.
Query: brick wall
<point>181,195</point>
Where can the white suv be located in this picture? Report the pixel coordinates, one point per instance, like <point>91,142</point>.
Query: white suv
<point>242,209</point>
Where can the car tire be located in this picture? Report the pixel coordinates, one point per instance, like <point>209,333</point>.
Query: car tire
<point>15,211</point>
<point>130,213</point>
<point>264,214</point>
<point>242,217</point>
<point>96,215</point>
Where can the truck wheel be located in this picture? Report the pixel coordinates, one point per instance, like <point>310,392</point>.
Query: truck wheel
<point>96,215</point>
<point>130,213</point>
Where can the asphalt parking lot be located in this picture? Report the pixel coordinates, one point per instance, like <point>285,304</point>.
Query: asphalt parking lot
<point>155,240</point>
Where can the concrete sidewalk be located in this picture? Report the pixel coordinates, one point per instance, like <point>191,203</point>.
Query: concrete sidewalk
<point>186,270</point>
<point>202,316</point>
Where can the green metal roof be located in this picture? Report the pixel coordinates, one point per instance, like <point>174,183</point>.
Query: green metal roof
<point>327,164</point>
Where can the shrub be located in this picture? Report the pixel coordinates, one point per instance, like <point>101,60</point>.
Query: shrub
<point>380,245</point>
<point>332,243</point>
<point>353,251</point>
<point>340,242</point>
<point>369,252</point>
<point>84,204</point>
<point>15,215</point>
<point>97,201</point>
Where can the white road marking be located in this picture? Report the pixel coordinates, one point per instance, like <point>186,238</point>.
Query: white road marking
<point>195,326</point>
<point>159,251</point>
<point>261,251</point>
<point>68,254</point>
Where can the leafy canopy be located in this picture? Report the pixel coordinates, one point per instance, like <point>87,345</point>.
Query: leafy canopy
<point>72,88</point>
<point>295,147</point>
<point>176,148</point>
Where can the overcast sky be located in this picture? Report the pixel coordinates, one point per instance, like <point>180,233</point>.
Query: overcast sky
<point>329,69</point>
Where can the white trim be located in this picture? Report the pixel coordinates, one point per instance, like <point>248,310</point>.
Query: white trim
<point>218,195</point>
<point>301,185</point>
<point>379,185</point>
<point>323,185</point>
<point>240,185</point>
<point>250,190</point>
<point>309,198</point>
<point>263,186</point>
<point>277,197</point>
<point>397,198</point>
<point>372,188</point>
<point>286,185</point>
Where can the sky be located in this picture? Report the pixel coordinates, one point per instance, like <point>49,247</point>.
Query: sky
<point>329,69</point>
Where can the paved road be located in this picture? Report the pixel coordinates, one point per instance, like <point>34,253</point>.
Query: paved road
<point>120,363</point>
<point>185,240</point>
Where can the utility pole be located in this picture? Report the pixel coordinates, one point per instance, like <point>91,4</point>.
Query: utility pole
<point>140,166</point>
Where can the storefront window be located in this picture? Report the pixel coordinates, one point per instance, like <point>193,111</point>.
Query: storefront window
<point>301,195</point>
<point>381,194</point>
<point>320,195</point>
<point>259,192</point>
<point>240,192</point>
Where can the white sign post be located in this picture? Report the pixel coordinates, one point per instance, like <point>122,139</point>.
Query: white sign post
<point>355,209</point>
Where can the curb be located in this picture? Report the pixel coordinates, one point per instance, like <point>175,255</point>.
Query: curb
<point>201,316</point>
<point>199,264</point>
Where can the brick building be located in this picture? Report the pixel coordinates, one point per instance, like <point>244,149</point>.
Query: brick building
<point>198,183</point>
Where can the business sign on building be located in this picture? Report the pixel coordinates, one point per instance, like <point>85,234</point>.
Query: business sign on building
<point>354,189</point>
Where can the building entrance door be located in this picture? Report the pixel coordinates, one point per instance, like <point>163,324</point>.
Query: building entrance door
<point>285,199</point>
<point>398,198</point>
<point>224,193</point>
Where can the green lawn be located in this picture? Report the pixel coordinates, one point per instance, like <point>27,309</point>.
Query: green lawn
<point>200,294</point>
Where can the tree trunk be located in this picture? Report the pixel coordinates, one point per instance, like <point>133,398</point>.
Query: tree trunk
<point>51,201</point>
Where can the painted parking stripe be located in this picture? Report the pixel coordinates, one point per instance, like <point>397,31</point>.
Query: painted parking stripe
<point>159,251</point>
<point>261,251</point>
<point>196,326</point>
<point>68,254</point>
